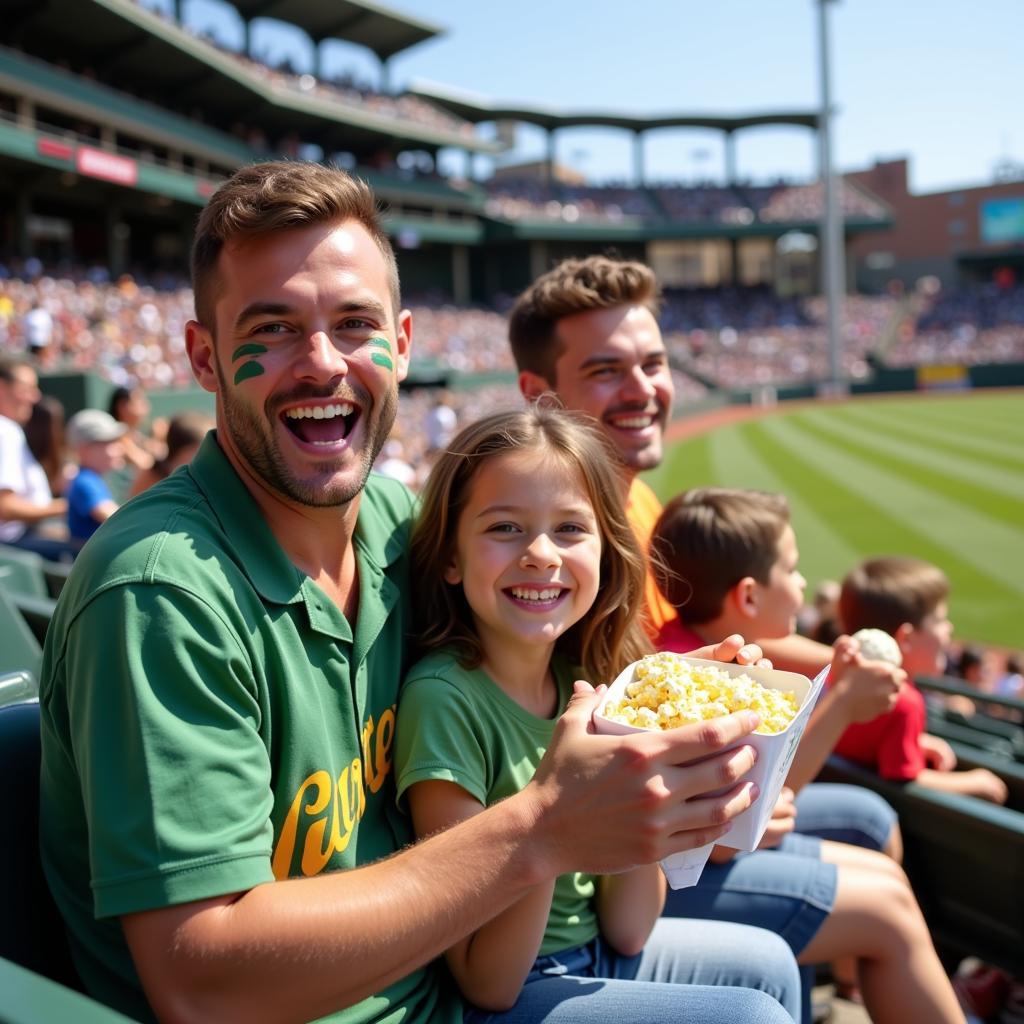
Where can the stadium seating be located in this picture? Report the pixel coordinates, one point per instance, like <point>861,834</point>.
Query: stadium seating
<point>30,998</point>
<point>29,573</point>
<point>965,860</point>
<point>19,647</point>
<point>31,931</point>
<point>22,572</point>
<point>36,611</point>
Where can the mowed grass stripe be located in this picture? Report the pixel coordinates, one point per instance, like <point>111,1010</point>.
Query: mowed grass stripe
<point>989,491</point>
<point>823,552</point>
<point>861,505</point>
<point>999,417</point>
<point>945,436</point>
<point>994,549</point>
<point>985,610</point>
<point>687,464</point>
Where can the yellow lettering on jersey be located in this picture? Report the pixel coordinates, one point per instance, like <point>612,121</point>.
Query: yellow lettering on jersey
<point>327,811</point>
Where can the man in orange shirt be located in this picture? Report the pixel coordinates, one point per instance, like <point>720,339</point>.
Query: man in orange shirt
<point>587,332</point>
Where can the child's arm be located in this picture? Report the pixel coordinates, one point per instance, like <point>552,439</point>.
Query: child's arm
<point>490,965</point>
<point>795,653</point>
<point>979,782</point>
<point>938,754</point>
<point>628,905</point>
<point>859,691</point>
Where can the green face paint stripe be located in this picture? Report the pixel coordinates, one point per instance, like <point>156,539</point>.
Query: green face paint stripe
<point>380,343</point>
<point>382,360</point>
<point>247,370</point>
<point>248,349</point>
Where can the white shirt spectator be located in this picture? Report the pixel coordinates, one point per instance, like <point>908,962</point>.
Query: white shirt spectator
<point>37,327</point>
<point>440,424</point>
<point>20,473</point>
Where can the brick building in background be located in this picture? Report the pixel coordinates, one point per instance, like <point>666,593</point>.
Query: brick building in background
<point>959,235</point>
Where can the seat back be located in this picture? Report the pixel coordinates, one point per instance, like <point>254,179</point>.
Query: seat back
<point>36,611</point>
<point>22,571</point>
<point>19,649</point>
<point>31,930</point>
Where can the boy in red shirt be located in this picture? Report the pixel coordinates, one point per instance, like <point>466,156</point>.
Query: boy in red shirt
<point>906,598</point>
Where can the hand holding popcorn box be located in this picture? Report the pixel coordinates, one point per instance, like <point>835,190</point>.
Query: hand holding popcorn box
<point>664,691</point>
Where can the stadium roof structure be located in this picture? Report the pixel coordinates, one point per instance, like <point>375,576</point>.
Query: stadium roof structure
<point>149,54</point>
<point>380,29</point>
<point>477,108</point>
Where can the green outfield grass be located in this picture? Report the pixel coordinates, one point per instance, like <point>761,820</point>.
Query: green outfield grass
<point>938,477</point>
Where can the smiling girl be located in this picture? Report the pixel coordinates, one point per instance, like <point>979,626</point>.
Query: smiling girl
<point>528,578</point>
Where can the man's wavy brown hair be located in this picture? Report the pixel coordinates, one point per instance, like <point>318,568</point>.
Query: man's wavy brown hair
<point>278,196</point>
<point>574,286</point>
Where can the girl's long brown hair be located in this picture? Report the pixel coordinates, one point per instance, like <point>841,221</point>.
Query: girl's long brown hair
<point>609,636</point>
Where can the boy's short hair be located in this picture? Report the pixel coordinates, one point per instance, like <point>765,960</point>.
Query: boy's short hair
<point>884,593</point>
<point>574,286</point>
<point>710,538</point>
<point>277,196</point>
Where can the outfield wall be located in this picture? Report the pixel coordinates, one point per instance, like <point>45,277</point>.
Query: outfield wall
<point>88,390</point>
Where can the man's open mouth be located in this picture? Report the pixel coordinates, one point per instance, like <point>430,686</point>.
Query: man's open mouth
<point>321,424</point>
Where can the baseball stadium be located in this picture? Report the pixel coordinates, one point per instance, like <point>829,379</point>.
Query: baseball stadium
<point>888,413</point>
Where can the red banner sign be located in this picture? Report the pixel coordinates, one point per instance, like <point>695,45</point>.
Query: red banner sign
<point>99,164</point>
<point>54,148</point>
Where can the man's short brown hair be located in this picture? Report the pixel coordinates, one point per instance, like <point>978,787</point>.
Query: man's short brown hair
<point>277,196</point>
<point>709,539</point>
<point>574,286</point>
<point>885,593</point>
<point>9,366</point>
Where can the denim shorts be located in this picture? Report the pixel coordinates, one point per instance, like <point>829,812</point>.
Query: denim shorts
<point>844,814</point>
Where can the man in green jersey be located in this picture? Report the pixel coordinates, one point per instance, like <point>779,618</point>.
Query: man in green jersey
<point>219,683</point>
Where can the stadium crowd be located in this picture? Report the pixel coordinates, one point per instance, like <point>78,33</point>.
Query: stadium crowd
<point>530,197</point>
<point>131,329</point>
<point>342,88</point>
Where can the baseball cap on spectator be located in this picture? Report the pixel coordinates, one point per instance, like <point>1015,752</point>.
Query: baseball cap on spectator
<point>93,425</point>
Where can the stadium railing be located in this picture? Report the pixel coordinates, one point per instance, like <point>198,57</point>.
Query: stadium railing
<point>1010,707</point>
<point>965,861</point>
<point>17,687</point>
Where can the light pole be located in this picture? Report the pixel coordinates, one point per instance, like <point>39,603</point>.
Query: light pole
<point>832,224</point>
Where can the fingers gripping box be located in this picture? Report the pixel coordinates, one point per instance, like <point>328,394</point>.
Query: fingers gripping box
<point>775,751</point>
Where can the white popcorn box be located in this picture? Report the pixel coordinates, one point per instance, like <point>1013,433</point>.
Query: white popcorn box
<point>775,754</point>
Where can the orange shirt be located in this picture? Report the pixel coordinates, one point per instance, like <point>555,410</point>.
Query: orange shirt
<point>642,511</point>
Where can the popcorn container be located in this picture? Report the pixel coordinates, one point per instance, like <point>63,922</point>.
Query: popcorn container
<point>775,754</point>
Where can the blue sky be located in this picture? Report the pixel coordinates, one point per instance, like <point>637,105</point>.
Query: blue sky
<point>938,81</point>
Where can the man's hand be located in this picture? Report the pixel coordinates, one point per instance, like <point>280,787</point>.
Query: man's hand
<point>608,803</point>
<point>938,754</point>
<point>782,821</point>
<point>867,689</point>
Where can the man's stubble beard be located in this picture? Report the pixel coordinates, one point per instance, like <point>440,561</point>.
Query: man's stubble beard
<point>255,442</point>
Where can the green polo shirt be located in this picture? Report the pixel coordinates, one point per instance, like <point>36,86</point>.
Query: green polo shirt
<point>211,721</point>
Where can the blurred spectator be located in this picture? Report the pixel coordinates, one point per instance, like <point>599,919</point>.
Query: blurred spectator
<point>96,439</point>
<point>1011,683</point>
<point>185,432</point>
<point>45,435</point>
<point>130,406</point>
<point>26,501</point>
<point>441,422</point>
<point>393,463</point>
<point>819,619</point>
